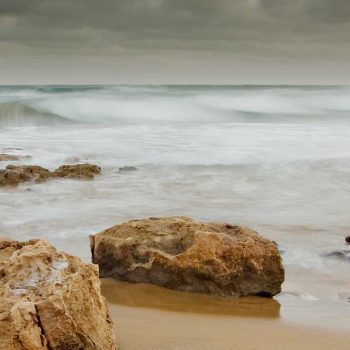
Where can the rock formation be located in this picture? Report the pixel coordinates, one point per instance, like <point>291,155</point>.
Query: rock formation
<point>50,300</point>
<point>77,171</point>
<point>183,254</point>
<point>14,175</point>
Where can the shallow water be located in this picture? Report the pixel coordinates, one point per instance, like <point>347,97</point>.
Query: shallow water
<point>274,158</point>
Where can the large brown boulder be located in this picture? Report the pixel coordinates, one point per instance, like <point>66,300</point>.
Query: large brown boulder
<point>50,300</point>
<point>183,254</point>
<point>14,175</point>
<point>78,171</point>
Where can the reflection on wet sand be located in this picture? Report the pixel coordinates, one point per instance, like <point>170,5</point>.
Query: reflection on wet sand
<point>151,296</point>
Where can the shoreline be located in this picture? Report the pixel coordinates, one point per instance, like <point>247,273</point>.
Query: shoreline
<point>152,317</point>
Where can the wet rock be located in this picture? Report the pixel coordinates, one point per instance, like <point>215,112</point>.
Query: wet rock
<point>127,169</point>
<point>50,300</point>
<point>339,254</point>
<point>8,157</point>
<point>78,171</point>
<point>14,175</point>
<point>11,157</point>
<point>183,254</point>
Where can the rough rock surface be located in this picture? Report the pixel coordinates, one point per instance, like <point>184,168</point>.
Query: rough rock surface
<point>78,171</point>
<point>183,254</point>
<point>50,300</point>
<point>14,175</point>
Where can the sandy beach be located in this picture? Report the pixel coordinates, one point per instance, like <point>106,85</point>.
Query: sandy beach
<point>150,317</point>
<point>282,173</point>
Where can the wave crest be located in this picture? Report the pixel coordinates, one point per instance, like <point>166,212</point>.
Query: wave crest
<point>14,114</point>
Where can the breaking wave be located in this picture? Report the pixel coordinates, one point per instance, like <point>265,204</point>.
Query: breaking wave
<point>40,105</point>
<point>18,114</point>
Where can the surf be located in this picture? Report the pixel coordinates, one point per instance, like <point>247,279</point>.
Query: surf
<point>57,105</point>
<point>18,114</point>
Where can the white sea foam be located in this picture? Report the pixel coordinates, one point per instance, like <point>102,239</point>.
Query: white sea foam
<point>137,105</point>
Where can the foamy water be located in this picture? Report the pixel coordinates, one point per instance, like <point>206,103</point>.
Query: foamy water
<point>273,158</point>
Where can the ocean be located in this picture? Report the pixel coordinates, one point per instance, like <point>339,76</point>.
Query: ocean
<point>275,158</point>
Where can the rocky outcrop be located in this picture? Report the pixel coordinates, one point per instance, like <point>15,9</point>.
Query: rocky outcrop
<point>14,175</point>
<point>77,171</point>
<point>50,300</point>
<point>183,254</point>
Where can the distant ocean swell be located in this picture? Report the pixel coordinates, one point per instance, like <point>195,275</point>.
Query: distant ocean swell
<point>47,106</point>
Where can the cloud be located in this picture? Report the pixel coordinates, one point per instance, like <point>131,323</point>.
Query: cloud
<point>312,29</point>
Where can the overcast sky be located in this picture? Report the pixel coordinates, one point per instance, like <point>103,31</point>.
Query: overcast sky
<point>175,41</point>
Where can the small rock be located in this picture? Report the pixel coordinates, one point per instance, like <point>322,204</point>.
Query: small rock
<point>347,239</point>
<point>8,157</point>
<point>183,254</point>
<point>340,254</point>
<point>126,169</point>
<point>50,300</point>
<point>12,157</point>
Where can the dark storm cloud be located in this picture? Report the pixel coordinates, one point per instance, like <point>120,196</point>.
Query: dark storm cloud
<point>335,10</point>
<point>224,20</point>
<point>257,28</point>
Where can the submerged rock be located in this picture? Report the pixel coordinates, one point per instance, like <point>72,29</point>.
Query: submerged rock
<point>50,300</point>
<point>11,157</point>
<point>78,171</point>
<point>8,157</point>
<point>340,254</point>
<point>127,169</point>
<point>14,175</point>
<point>183,254</point>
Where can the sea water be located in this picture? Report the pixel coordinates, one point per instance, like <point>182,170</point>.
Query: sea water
<point>275,158</point>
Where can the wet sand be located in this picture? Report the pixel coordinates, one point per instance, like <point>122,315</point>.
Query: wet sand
<point>151,317</point>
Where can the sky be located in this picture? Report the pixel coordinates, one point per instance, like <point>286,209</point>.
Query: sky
<point>175,41</point>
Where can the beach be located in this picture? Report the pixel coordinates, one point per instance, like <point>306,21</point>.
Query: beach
<point>273,158</point>
<point>149,317</point>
